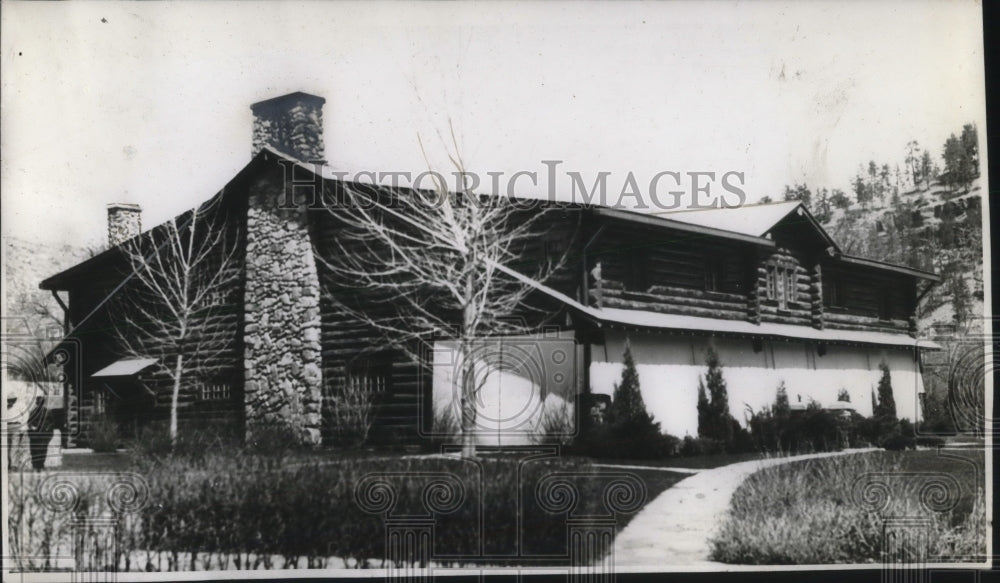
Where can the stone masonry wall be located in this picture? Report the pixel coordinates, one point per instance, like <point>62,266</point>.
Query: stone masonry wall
<point>292,124</point>
<point>124,222</point>
<point>282,358</point>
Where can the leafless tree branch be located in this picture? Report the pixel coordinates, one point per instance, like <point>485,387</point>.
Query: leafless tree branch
<point>179,274</point>
<point>426,264</point>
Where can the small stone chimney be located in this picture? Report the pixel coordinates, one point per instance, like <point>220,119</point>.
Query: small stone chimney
<point>291,124</point>
<point>124,222</point>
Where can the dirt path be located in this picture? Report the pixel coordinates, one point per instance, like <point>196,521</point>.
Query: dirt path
<point>673,530</point>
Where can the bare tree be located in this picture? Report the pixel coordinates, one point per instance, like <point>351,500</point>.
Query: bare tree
<point>179,275</point>
<point>437,264</point>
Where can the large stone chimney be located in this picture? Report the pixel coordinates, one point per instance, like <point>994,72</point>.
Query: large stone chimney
<point>124,222</point>
<point>291,124</point>
<point>282,326</point>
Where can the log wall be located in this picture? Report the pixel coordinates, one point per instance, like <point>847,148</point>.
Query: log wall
<point>218,359</point>
<point>681,274</point>
<point>678,280</point>
<point>866,299</point>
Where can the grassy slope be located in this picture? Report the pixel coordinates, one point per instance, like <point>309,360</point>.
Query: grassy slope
<point>827,510</point>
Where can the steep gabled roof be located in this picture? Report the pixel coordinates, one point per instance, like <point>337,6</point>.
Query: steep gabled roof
<point>670,222</point>
<point>108,257</point>
<point>754,220</point>
<point>750,223</point>
<point>84,270</point>
<point>882,265</point>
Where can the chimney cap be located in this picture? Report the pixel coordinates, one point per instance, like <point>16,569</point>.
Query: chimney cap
<point>124,205</point>
<point>294,96</point>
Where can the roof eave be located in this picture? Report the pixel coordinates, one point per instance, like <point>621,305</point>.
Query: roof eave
<point>662,222</point>
<point>60,281</point>
<point>916,343</point>
<point>801,210</point>
<point>861,261</point>
<point>601,319</point>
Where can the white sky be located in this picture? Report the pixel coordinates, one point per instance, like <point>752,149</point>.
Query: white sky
<point>152,106</point>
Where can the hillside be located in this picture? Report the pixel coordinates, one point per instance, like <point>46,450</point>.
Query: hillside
<point>30,310</point>
<point>932,227</point>
<point>936,227</point>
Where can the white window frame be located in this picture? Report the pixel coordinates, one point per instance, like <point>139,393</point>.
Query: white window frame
<point>372,378</point>
<point>781,284</point>
<point>215,392</point>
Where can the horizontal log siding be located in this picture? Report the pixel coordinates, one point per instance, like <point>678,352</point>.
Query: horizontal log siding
<point>860,299</point>
<point>853,322</point>
<point>678,274</point>
<point>346,340</point>
<point>220,329</point>
<point>557,239</point>
<point>219,333</point>
<point>676,300</point>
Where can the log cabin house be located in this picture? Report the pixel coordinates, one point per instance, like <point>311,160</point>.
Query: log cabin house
<point>762,284</point>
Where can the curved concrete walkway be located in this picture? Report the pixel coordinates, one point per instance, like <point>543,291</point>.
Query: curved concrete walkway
<point>673,530</point>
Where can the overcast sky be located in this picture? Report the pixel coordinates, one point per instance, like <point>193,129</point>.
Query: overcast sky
<point>149,103</point>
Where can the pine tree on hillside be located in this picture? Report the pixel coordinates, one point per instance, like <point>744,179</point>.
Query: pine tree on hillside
<point>928,169</point>
<point>799,192</point>
<point>957,163</point>
<point>960,297</point>
<point>840,200</point>
<point>874,186</point>
<point>886,401</point>
<point>823,209</point>
<point>970,142</point>
<point>913,161</point>
<point>861,192</point>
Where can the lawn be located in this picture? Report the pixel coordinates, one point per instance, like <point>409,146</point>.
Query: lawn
<point>695,462</point>
<point>94,462</point>
<point>834,510</point>
<point>236,510</point>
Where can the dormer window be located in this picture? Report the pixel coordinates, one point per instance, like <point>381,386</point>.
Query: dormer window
<point>781,284</point>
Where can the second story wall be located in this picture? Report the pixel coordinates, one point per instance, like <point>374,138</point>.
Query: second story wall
<point>862,299</point>
<point>670,272</point>
<point>797,281</point>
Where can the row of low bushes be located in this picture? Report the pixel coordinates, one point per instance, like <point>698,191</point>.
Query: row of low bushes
<point>628,431</point>
<point>193,438</point>
<point>230,506</point>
